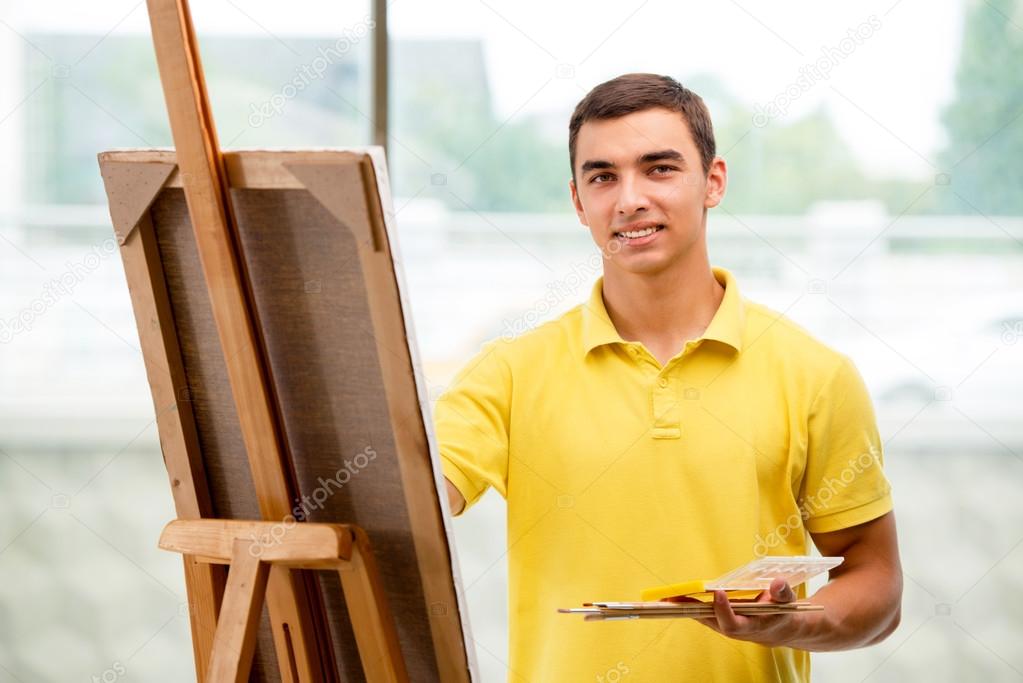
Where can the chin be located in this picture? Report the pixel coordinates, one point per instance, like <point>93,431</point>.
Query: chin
<point>646,264</point>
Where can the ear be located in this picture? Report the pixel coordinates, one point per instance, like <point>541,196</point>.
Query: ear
<point>717,182</point>
<point>579,211</point>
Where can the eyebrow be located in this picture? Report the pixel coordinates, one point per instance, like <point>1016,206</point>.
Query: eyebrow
<point>662,155</point>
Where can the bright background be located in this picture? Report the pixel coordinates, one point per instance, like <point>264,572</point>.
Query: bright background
<point>881,210</point>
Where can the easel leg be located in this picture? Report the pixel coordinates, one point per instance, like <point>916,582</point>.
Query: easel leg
<point>235,638</point>
<point>370,616</point>
<point>205,584</point>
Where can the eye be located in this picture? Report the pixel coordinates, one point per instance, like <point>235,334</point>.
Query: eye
<point>596,178</point>
<point>665,168</point>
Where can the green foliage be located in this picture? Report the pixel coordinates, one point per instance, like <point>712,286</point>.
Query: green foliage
<point>488,164</point>
<point>984,154</point>
<point>781,168</point>
<point>448,143</point>
<point>786,166</point>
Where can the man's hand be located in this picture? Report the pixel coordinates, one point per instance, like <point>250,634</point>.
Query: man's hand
<point>767,629</point>
<point>862,599</point>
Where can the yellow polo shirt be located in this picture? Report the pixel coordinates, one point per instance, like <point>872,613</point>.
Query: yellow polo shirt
<point>621,474</point>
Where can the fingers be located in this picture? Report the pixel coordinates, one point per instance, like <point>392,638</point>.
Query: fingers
<point>762,628</point>
<point>728,622</point>
<point>781,591</point>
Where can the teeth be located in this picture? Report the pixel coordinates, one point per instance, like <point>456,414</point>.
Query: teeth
<point>640,233</point>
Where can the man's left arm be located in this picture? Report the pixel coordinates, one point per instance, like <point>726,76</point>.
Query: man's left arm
<point>862,599</point>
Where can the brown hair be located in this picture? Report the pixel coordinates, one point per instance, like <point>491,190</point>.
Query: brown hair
<point>630,93</point>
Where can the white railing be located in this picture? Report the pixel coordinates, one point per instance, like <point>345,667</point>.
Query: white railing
<point>878,290</point>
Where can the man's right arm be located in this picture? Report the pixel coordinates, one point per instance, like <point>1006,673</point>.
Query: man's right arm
<point>455,499</point>
<point>471,423</point>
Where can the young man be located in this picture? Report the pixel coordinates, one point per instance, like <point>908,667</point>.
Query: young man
<point>669,429</point>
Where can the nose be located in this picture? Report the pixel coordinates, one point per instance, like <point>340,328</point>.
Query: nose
<point>631,198</point>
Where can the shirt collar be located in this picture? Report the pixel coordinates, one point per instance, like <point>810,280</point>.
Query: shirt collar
<point>725,327</point>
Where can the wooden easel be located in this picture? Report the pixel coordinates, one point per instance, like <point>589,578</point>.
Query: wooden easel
<point>224,652</point>
<point>251,549</point>
<point>320,208</point>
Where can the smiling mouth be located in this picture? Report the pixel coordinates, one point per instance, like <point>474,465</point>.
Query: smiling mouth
<point>636,234</point>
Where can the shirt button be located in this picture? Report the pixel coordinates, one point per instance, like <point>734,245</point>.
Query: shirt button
<point>662,382</point>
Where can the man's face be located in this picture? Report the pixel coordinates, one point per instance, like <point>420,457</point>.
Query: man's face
<point>641,173</point>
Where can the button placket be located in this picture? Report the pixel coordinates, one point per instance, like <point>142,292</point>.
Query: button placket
<point>641,356</point>
<point>667,412</point>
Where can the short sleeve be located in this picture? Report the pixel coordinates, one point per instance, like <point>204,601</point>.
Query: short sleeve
<point>844,482</point>
<point>471,421</point>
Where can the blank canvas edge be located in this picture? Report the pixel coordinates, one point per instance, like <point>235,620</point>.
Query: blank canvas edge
<point>383,190</point>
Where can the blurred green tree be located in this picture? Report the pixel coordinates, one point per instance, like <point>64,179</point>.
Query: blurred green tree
<point>984,153</point>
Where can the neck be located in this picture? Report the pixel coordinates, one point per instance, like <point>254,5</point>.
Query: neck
<point>665,308</point>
